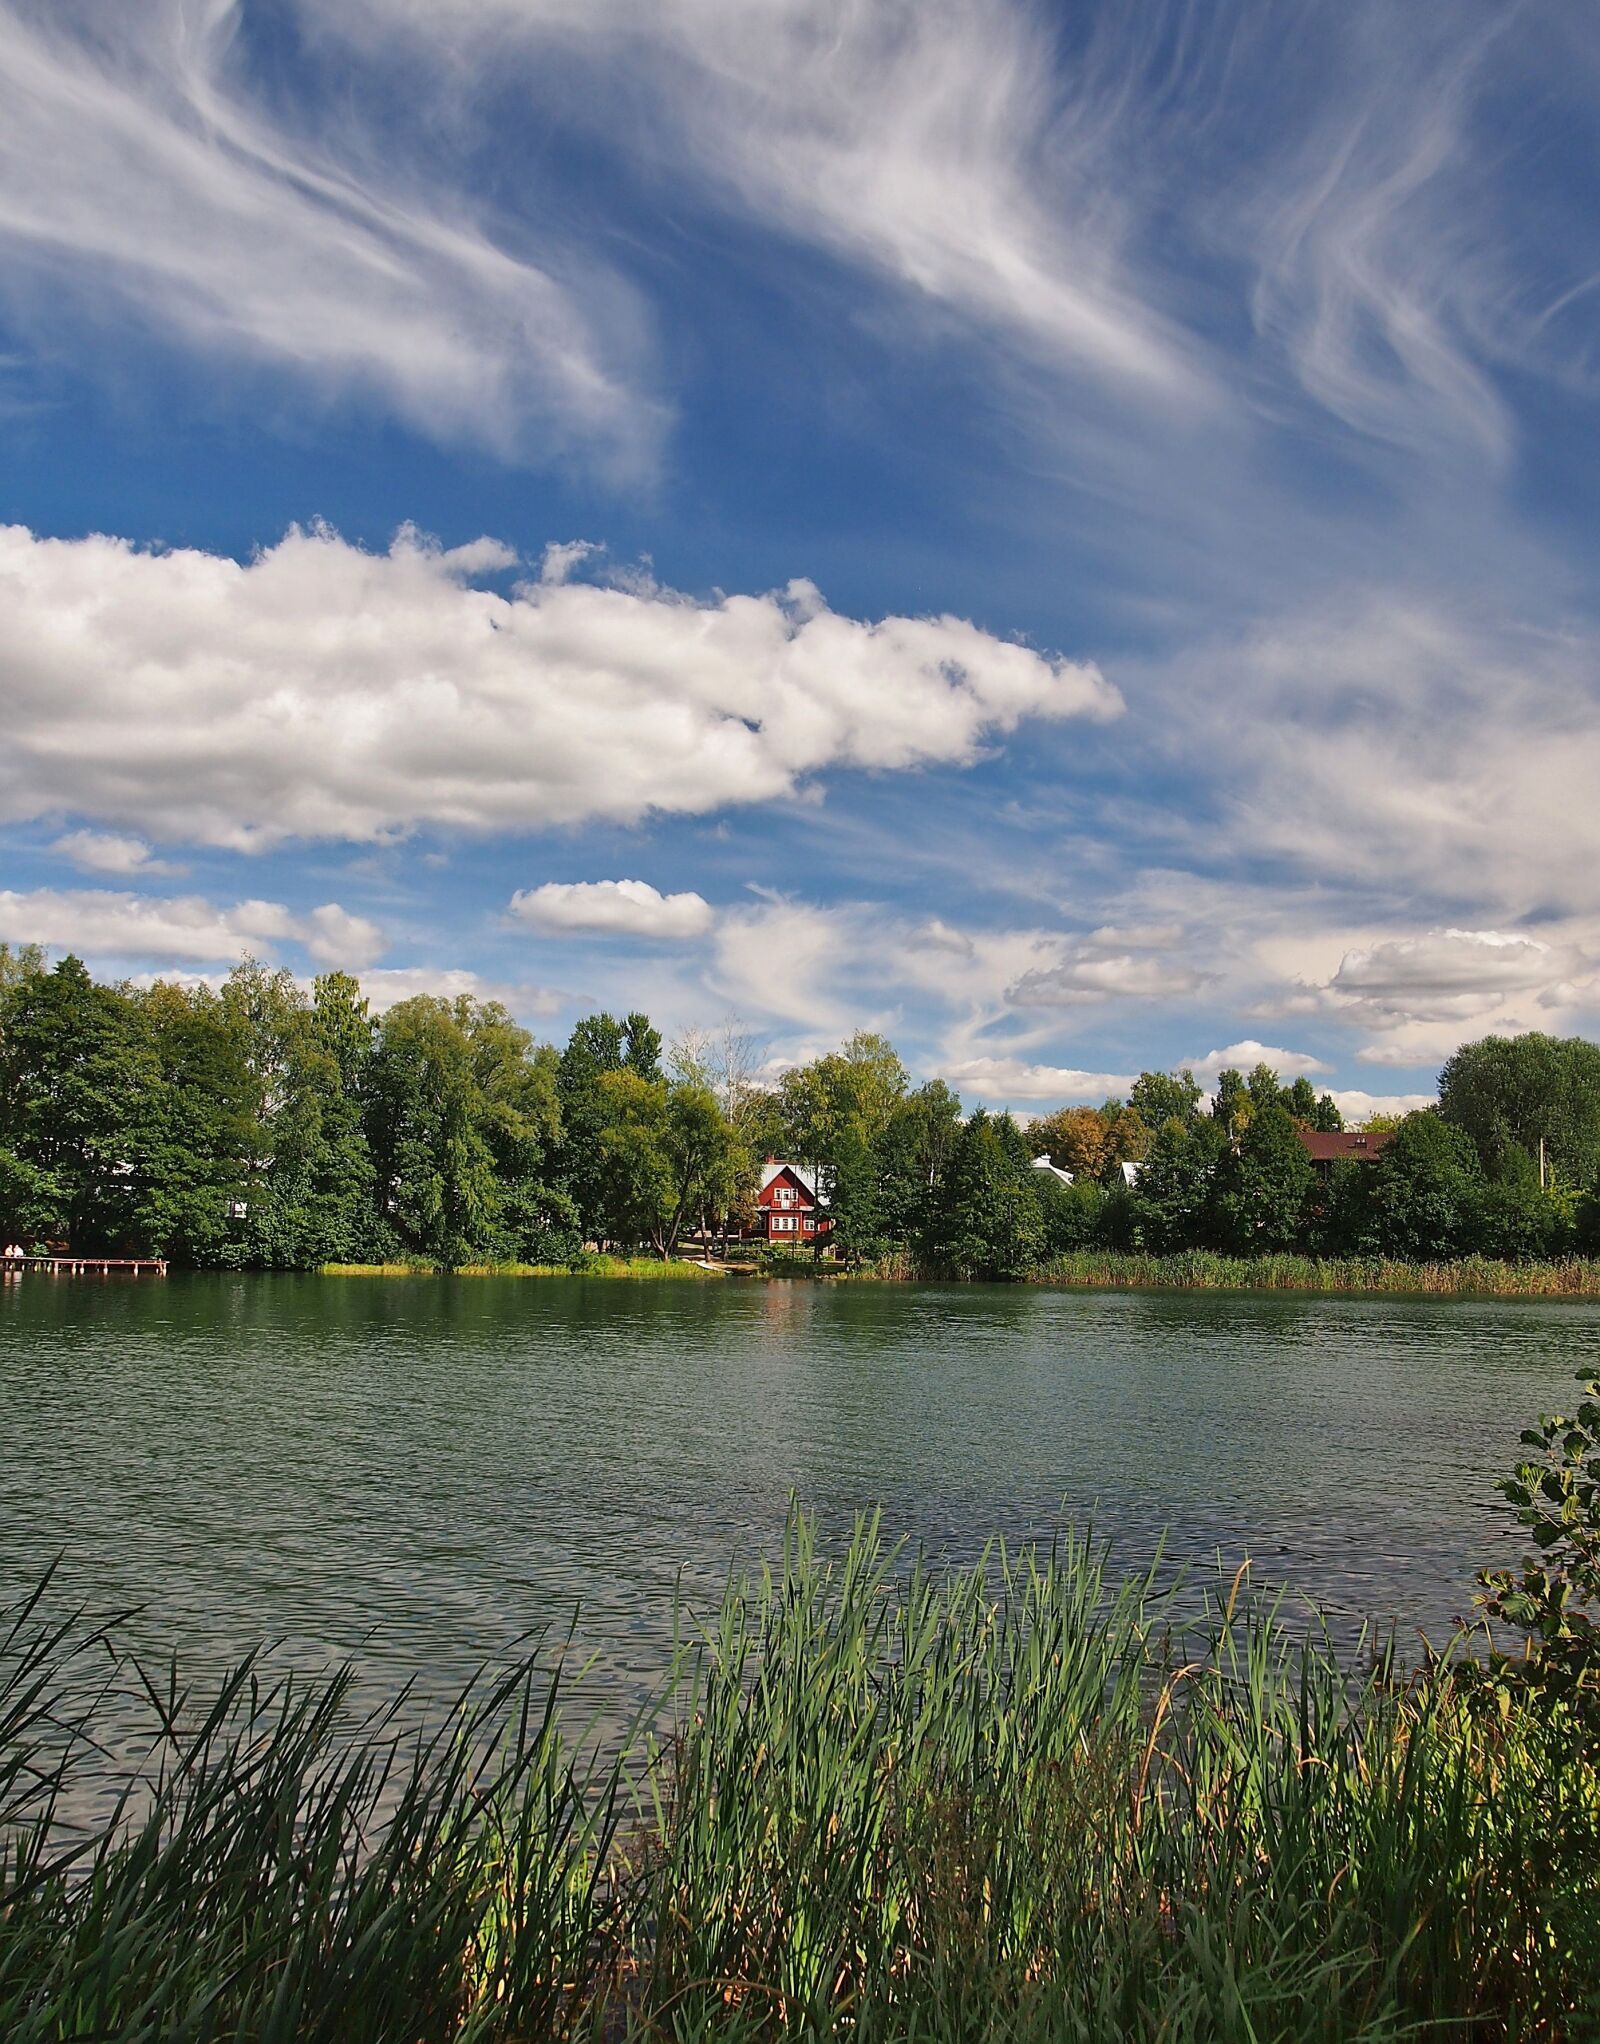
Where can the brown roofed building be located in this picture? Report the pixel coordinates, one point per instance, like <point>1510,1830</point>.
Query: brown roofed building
<point>1327,1147</point>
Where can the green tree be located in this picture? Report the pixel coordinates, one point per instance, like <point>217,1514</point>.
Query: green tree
<point>845,1099</point>
<point>1233,1104</point>
<point>598,1045</point>
<point>193,1136</point>
<point>706,1158</point>
<point>1260,1191</point>
<point>1160,1097</point>
<point>77,1072</point>
<point>669,1159</point>
<point>1311,1109</point>
<point>1172,1206</point>
<point>914,1153</point>
<point>642,1046</point>
<point>1422,1195</point>
<point>24,961</point>
<point>1074,1216</point>
<point>990,1223</point>
<point>856,1200</point>
<point>1512,1092</point>
<point>435,1169</point>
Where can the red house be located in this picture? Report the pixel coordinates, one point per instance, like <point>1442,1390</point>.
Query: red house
<point>1327,1147</point>
<point>789,1206</point>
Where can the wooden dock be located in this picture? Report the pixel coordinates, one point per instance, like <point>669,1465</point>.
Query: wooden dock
<point>85,1266</point>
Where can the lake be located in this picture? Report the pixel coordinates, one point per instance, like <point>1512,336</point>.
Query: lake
<point>415,1472</point>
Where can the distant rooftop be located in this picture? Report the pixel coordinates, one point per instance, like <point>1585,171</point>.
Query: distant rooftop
<point>1328,1146</point>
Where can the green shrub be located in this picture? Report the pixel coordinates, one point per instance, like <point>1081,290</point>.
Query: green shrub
<point>1553,1597</point>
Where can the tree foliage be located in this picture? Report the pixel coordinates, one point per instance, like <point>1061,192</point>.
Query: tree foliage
<point>1509,1093</point>
<point>263,1124</point>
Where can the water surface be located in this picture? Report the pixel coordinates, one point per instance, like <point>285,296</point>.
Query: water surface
<point>415,1472</point>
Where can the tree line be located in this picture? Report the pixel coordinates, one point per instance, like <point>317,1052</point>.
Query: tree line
<point>258,1125</point>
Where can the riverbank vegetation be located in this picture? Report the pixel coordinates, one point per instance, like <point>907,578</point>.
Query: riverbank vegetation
<point>258,1125</point>
<point>1018,1800</point>
<point>1574,1277</point>
<point>649,1268</point>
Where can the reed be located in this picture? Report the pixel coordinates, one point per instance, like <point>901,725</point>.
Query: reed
<point>1025,1799</point>
<point>649,1267</point>
<point>1203,1270</point>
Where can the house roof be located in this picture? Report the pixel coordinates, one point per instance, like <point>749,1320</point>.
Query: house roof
<point>813,1180</point>
<point>1055,1170</point>
<point>1327,1146</point>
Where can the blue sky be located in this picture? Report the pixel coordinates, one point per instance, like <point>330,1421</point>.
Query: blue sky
<point>1063,533</point>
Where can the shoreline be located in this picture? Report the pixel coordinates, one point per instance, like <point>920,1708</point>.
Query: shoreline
<point>1106,1271</point>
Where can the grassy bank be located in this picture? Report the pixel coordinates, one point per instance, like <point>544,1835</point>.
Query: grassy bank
<point>1470,1276</point>
<point>591,1266</point>
<point>1020,1801</point>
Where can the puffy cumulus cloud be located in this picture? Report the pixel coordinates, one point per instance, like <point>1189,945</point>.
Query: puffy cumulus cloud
<point>1002,1079</point>
<point>1090,975</point>
<point>1421,995</point>
<point>322,691</point>
<point>1245,1056</point>
<point>104,923</point>
<point>1449,975</point>
<point>145,173</point>
<point>101,851</point>
<point>617,908</point>
<point>1357,1106</point>
<point>335,937</point>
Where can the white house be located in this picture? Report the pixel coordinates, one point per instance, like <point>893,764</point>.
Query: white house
<point>1055,1170</point>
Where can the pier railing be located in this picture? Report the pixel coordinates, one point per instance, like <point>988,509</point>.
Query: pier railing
<point>85,1266</point>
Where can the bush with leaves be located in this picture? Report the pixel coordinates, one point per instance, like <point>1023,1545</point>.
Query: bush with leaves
<point>1553,1597</point>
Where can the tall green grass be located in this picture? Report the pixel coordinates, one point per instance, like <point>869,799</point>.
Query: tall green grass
<point>1201,1269</point>
<point>590,1266</point>
<point>1021,1800</point>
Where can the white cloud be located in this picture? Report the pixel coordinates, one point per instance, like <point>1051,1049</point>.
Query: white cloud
<point>1245,1056</point>
<point>103,923</point>
<point>386,986</point>
<point>1374,241</point>
<point>139,177</point>
<point>622,908</point>
<point>936,144</point>
<point>1422,995</point>
<point>99,851</point>
<point>1356,1106</point>
<point>1447,975</point>
<point>1089,976</point>
<point>1383,740</point>
<point>322,691</point>
<point>1002,1079</point>
<point>335,937</point>
<point>796,961</point>
<point>1135,937</point>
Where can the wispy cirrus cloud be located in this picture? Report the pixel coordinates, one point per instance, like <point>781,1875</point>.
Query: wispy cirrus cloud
<point>145,174</point>
<point>937,144</point>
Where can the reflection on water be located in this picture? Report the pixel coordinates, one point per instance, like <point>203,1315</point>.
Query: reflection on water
<point>416,1472</point>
